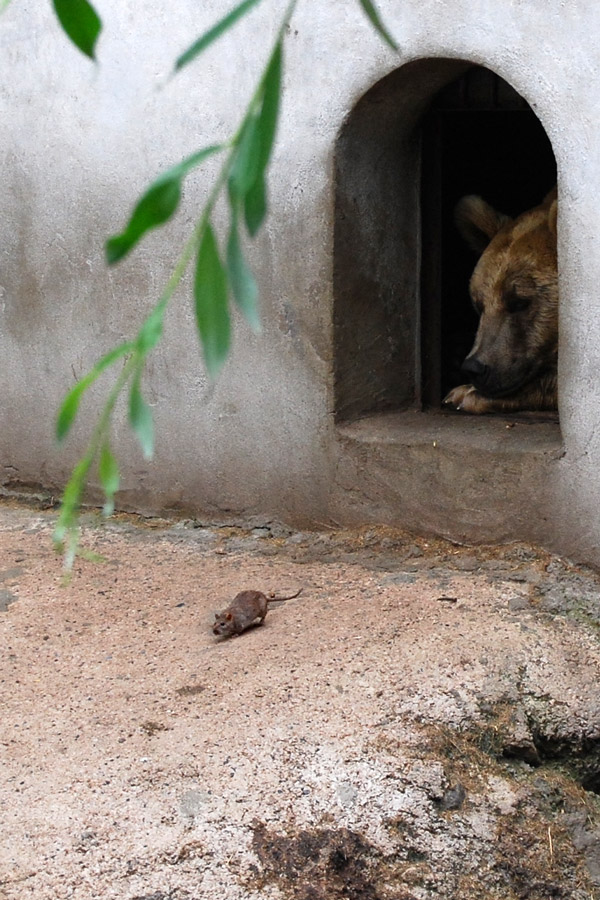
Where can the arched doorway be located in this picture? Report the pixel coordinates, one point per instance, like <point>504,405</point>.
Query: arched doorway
<point>416,142</point>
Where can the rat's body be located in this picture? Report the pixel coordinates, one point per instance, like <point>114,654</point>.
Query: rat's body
<point>245,608</point>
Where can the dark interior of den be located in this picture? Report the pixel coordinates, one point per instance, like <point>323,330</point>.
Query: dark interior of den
<point>414,144</point>
<point>479,137</point>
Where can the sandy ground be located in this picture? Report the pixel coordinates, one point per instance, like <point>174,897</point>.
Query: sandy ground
<point>423,721</point>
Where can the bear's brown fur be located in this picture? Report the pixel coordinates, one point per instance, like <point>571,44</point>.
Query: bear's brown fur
<point>514,287</point>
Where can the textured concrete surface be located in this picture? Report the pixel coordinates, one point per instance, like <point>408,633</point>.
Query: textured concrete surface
<point>80,142</point>
<point>423,721</point>
<point>468,478</point>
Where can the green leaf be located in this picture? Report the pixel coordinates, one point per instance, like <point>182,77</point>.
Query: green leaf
<point>373,15</point>
<point>255,152</point>
<point>71,501</point>
<point>255,205</point>
<point>69,408</point>
<point>270,105</point>
<point>108,470</point>
<point>70,404</point>
<point>210,295</point>
<point>140,417</point>
<point>215,32</point>
<point>243,284</point>
<point>80,22</point>
<point>151,331</point>
<point>74,489</point>
<point>190,162</point>
<point>245,167</point>
<point>156,206</point>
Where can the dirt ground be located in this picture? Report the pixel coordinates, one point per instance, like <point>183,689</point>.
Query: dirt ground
<point>423,721</point>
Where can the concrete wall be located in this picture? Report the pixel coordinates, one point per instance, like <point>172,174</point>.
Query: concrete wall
<point>78,144</point>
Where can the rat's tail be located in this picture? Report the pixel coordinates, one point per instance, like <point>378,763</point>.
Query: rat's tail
<point>272,599</point>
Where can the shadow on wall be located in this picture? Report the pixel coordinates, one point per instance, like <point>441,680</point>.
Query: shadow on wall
<point>416,142</point>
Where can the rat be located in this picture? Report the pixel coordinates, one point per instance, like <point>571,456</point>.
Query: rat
<point>243,610</point>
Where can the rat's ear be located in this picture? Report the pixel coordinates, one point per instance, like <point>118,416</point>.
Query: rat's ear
<point>229,617</point>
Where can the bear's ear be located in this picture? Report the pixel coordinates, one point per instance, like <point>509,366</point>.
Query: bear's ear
<point>477,221</point>
<point>552,216</point>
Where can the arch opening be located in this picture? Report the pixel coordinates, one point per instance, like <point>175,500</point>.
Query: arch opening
<point>416,142</point>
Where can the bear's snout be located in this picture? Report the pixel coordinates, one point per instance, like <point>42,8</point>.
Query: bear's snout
<point>476,371</point>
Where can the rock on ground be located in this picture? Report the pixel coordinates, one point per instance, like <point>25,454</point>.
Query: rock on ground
<point>423,721</point>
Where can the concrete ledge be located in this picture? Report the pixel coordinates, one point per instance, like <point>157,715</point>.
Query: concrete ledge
<point>467,478</point>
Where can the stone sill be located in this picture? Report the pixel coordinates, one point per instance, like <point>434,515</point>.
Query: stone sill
<point>520,433</point>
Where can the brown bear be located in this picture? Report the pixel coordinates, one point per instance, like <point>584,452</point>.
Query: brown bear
<point>514,288</point>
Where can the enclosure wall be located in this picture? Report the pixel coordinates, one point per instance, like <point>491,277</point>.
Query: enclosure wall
<point>80,142</point>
